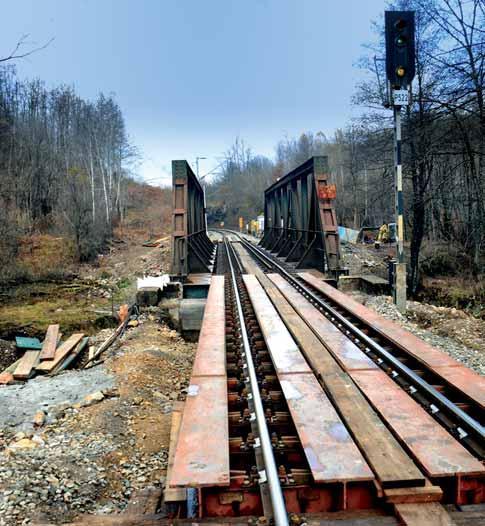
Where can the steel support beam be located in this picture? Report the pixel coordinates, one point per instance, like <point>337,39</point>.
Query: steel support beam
<point>192,250</point>
<point>300,220</point>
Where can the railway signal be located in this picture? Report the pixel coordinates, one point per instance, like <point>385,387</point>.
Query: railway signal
<point>400,69</point>
<point>400,53</point>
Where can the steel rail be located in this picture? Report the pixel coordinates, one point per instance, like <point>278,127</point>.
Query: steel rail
<point>440,400</point>
<point>276,494</point>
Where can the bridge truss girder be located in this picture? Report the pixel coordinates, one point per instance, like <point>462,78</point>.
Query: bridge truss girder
<point>300,220</point>
<point>192,250</point>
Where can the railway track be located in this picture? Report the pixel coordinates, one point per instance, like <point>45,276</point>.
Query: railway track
<point>460,414</point>
<point>283,417</point>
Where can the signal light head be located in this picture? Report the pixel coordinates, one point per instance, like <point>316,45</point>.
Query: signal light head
<point>400,49</point>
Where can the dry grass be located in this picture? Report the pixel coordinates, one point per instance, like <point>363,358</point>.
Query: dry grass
<point>43,254</point>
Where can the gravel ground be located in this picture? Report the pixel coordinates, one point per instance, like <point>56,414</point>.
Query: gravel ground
<point>455,321</point>
<point>19,403</point>
<point>60,472</point>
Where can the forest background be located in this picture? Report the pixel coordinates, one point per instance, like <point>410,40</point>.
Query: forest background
<point>67,165</point>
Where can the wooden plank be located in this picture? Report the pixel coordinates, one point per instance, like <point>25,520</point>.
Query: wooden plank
<point>71,357</point>
<point>6,378</point>
<point>470,383</point>
<point>27,363</point>
<point>174,494</point>
<point>114,520</point>
<point>62,351</point>
<point>202,453</point>
<point>393,466</point>
<point>435,449</point>
<point>50,343</point>
<point>331,453</point>
<point>335,519</point>
<point>210,358</point>
<point>427,493</point>
<point>432,514</point>
<point>11,368</point>
<point>30,344</point>
<point>341,347</point>
<point>284,353</point>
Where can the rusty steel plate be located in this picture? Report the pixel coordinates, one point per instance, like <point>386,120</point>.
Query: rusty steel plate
<point>348,355</point>
<point>329,449</point>
<point>284,352</point>
<point>210,358</point>
<point>435,449</point>
<point>473,387</point>
<point>466,380</point>
<point>202,453</point>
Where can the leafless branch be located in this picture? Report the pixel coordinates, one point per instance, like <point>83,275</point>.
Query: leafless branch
<point>22,42</point>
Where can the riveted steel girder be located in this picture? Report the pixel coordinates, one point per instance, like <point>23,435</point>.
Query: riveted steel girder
<point>192,250</point>
<point>300,219</point>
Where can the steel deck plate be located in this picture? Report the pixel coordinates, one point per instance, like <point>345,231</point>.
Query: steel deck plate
<point>284,352</point>
<point>329,449</point>
<point>470,383</point>
<point>345,351</point>
<point>466,380</point>
<point>437,451</point>
<point>202,453</point>
<point>210,358</point>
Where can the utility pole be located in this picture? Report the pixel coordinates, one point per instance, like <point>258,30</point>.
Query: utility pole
<point>200,181</point>
<point>197,165</point>
<point>400,69</point>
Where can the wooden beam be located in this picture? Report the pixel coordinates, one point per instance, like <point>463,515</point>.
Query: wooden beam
<point>50,343</point>
<point>27,363</point>
<point>174,494</point>
<point>64,349</point>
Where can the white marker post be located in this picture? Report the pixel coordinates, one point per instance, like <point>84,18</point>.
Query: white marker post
<point>399,98</point>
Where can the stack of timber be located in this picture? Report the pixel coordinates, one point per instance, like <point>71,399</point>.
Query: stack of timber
<point>50,357</point>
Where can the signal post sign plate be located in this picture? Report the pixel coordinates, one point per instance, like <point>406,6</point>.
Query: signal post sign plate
<point>400,97</point>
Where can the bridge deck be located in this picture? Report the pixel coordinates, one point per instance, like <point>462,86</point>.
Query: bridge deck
<point>443,365</point>
<point>202,452</point>
<point>344,350</point>
<point>436,450</point>
<point>428,442</point>
<point>330,450</point>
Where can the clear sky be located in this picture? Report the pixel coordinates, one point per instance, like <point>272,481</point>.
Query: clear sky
<point>192,75</point>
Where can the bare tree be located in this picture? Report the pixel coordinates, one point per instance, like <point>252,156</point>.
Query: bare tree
<point>19,52</point>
